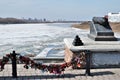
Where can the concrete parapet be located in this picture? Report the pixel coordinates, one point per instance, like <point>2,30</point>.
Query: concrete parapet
<point>104,53</point>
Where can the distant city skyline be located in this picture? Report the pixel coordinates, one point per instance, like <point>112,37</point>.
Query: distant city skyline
<point>58,9</point>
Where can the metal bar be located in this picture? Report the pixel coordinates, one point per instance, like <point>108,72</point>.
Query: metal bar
<point>14,65</point>
<point>87,73</point>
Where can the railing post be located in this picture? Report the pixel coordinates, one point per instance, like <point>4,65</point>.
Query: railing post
<point>14,65</point>
<point>88,53</point>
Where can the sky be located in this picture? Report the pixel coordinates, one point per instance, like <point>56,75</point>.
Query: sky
<point>58,9</point>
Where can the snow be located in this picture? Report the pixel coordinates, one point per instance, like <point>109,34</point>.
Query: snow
<point>33,38</point>
<point>44,52</point>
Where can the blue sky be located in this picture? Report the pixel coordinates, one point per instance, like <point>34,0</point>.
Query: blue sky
<point>58,9</point>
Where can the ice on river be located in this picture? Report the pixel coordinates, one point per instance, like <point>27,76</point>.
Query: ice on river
<point>33,38</point>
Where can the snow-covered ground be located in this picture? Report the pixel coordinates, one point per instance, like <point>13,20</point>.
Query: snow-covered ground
<point>33,38</point>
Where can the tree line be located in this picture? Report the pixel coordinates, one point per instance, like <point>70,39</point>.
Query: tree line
<point>19,21</point>
<point>31,20</point>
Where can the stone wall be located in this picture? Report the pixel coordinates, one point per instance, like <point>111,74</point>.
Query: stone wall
<point>106,59</point>
<point>98,59</point>
<point>68,54</point>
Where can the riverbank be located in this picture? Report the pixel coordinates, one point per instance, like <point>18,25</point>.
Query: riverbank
<point>85,25</point>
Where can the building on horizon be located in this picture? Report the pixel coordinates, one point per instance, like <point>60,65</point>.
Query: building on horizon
<point>114,17</point>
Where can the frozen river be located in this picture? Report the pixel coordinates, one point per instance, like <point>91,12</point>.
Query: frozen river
<point>34,38</point>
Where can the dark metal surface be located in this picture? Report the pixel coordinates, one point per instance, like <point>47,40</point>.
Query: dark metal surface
<point>88,53</point>
<point>14,65</point>
<point>77,41</point>
<point>100,30</point>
